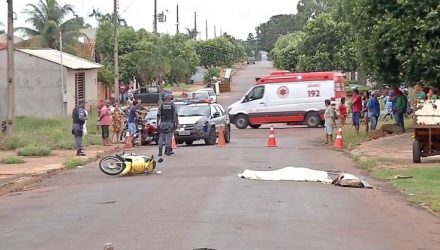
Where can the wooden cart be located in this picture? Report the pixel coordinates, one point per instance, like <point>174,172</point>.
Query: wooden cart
<point>426,141</point>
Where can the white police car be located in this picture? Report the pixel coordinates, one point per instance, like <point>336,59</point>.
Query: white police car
<point>202,121</point>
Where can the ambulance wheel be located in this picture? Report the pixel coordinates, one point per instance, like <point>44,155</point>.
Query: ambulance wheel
<point>313,120</point>
<point>255,126</point>
<point>241,122</point>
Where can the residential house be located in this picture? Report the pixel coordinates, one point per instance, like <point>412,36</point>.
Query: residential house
<point>43,87</point>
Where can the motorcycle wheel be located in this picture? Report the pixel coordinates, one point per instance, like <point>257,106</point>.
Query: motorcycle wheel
<point>123,135</point>
<point>111,165</point>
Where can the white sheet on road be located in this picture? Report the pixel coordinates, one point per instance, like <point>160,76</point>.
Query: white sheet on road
<point>288,174</point>
<point>305,174</point>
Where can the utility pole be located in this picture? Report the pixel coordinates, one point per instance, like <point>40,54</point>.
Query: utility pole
<point>177,23</point>
<point>62,75</point>
<point>116,50</point>
<point>155,18</point>
<point>10,115</point>
<point>206,24</point>
<point>215,31</point>
<point>195,25</point>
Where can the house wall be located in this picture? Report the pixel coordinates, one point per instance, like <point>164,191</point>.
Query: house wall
<point>91,88</point>
<point>37,86</point>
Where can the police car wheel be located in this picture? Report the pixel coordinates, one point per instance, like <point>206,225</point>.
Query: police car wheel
<point>189,143</point>
<point>241,121</point>
<point>227,134</point>
<point>212,138</point>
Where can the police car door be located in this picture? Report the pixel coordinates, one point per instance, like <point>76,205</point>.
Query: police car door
<point>215,114</point>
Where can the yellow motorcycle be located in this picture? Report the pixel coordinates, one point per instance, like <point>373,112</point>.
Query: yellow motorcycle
<point>127,164</point>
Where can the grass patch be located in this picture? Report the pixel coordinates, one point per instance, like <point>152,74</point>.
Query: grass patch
<point>424,187</point>
<point>12,160</point>
<point>34,150</point>
<point>75,162</point>
<point>352,140</point>
<point>369,163</point>
<point>51,133</point>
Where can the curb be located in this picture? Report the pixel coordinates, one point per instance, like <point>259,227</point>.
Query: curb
<point>21,182</point>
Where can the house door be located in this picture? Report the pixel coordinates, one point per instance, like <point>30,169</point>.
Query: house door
<point>80,86</point>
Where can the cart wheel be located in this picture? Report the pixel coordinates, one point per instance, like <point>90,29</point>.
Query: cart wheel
<point>417,152</point>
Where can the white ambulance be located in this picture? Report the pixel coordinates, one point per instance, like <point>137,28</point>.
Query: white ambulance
<point>285,97</point>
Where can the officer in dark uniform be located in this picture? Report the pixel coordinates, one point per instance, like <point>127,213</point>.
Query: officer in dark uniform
<point>79,117</point>
<point>167,122</point>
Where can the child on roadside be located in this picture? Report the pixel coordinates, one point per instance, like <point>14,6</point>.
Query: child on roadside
<point>342,112</point>
<point>329,118</point>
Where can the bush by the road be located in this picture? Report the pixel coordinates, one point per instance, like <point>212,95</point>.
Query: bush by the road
<point>51,133</point>
<point>12,160</point>
<point>34,150</point>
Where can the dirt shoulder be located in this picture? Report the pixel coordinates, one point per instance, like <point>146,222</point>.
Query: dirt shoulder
<point>390,159</point>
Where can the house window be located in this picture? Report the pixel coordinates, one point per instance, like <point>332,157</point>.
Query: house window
<point>79,86</point>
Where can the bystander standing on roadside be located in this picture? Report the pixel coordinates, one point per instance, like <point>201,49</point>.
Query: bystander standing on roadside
<point>329,122</point>
<point>356,108</point>
<point>390,103</point>
<point>98,112</point>
<point>131,120</point>
<point>400,109</point>
<point>116,123</point>
<point>432,94</point>
<point>342,112</point>
<point>79,117</point>
<point>364,114</point>
<point>122,93</point>
<point>373,108</point>
<point>105,119</point>
<point>167,123</point>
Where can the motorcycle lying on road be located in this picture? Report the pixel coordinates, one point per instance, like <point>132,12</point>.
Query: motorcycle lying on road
<point>127,164</point>
<point>145,132</point>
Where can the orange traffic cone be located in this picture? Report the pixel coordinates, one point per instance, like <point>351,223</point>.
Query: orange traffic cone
<point>221,137</point>
<point>339,143</point>
<point>173,143</point>
<point>272,141</point>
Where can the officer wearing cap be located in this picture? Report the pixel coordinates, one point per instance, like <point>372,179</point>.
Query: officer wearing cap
<point>167,122</point>
<point>79,117</point>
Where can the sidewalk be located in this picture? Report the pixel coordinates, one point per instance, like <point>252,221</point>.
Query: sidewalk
<point>16,177</point>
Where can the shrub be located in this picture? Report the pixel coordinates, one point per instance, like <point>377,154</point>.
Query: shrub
<point>34,150</point>
<point>12,160</point>
<point>75,162</point>
<point>212,72</point>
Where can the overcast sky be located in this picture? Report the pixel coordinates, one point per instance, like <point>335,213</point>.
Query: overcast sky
<point>236,17</point>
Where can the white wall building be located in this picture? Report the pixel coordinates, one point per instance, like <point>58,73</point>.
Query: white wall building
<point>38,88</point>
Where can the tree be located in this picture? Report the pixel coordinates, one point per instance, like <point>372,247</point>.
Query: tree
<point>398,40</point>
<point>1,28</point>
<point>326,45</point>
<point>268,33</point>
<point>311,9</point>
<point>48,19</point>
<point>216,52</point>
<point>285,53</point>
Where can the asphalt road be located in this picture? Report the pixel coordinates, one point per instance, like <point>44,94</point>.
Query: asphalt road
<point>199,202</point>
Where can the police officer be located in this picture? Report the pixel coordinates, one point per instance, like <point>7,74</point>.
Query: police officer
<point>79,117</point>
<point>167,122</point>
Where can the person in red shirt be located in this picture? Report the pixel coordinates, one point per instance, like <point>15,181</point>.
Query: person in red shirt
<point>343,112</point>
<point>356,108</point>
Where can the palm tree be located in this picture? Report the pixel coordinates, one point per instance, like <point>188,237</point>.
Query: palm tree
<point>47,19</point>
